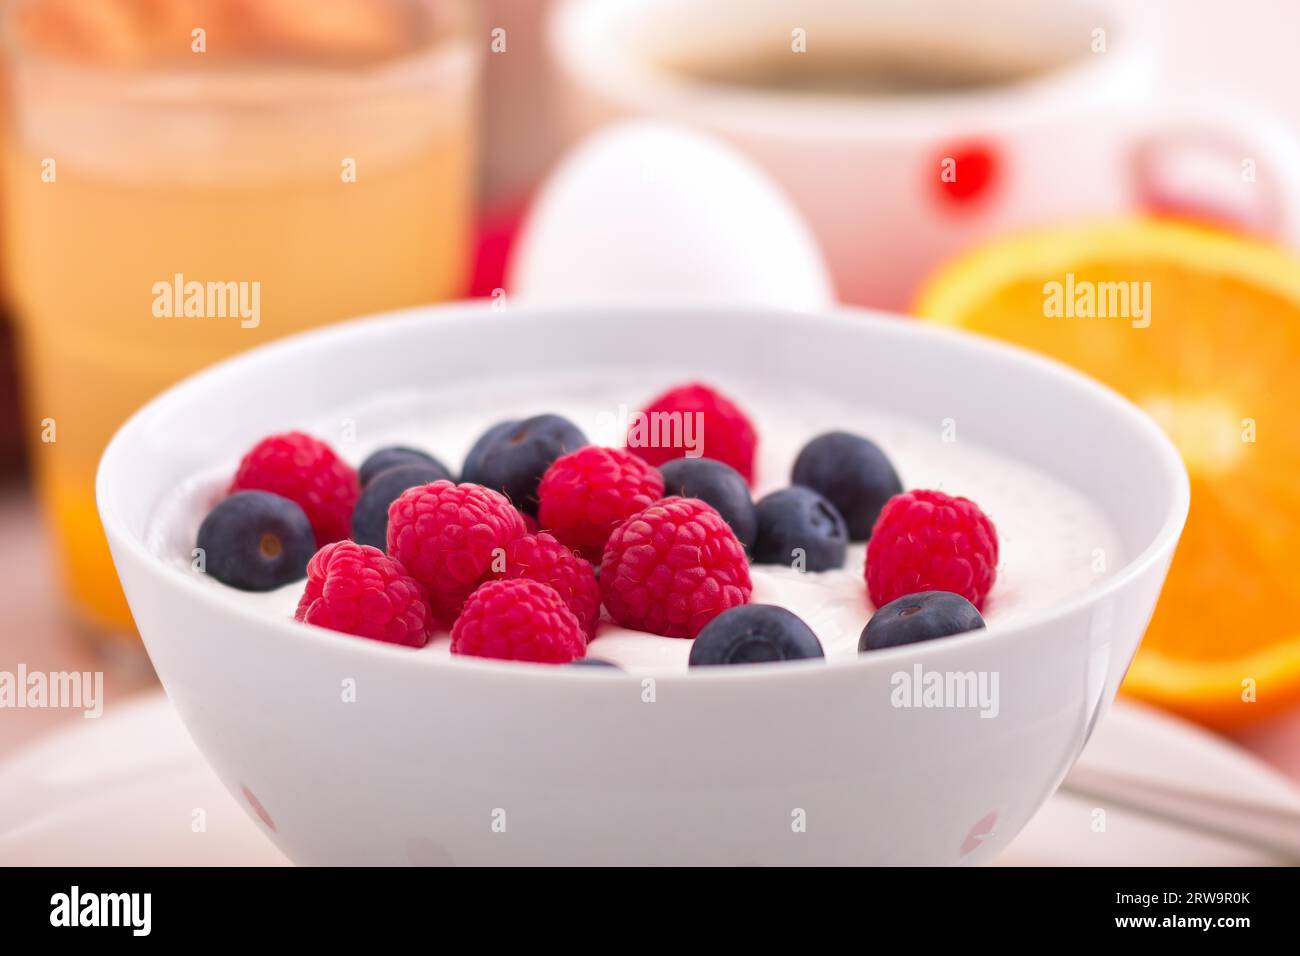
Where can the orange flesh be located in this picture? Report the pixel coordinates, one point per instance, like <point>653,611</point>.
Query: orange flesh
<point>1219,368</point>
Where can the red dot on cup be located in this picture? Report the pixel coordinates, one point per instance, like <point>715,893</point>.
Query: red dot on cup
<point>256,806</point>
<point>966,172</point>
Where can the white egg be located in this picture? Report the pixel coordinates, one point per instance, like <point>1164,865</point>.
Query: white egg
<point>647,212</point>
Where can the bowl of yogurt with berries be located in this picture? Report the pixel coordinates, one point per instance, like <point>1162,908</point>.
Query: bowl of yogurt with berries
<point>467,585</point>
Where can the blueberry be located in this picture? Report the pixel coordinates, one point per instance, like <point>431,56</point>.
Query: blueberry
<point>512,456</point>
<point>754,634</point>
<point>256,541</point>
<point>852,473</point>
<point>474,459</point>
<point>394,455</point>
<point>370,516</point>
<point>919,617</point>
<point>718,484</point>
<point>797,523</point>
<point>594,662</point>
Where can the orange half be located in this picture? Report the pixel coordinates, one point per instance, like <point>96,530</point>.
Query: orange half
<point>1202,329</point>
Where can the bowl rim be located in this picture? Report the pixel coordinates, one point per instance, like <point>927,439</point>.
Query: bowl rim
<point>338,335</point>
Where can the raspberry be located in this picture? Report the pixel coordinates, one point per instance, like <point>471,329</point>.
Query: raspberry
<point>541,558</point>
<point>695,417</point>
<point>518,620</point>
<point>359,590</point>
<point>672,568</point>
<point>446,535</point>
<point>584,495</point>
<point>307,472</point>
<point>929,541</point>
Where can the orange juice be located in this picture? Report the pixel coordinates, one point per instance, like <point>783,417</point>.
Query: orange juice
<point>162,216</point>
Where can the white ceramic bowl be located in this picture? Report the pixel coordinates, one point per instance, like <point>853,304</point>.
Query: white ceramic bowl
<point>469,761</point>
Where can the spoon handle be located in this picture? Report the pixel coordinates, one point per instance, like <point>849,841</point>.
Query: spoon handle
<point>1268,827</point>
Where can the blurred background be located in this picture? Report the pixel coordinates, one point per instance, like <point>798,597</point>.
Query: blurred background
<point>354,156</point>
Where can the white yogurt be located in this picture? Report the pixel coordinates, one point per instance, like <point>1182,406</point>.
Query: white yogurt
<point>1054,542</point>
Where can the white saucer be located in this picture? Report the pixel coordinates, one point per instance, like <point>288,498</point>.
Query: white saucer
<point>124,790</point>
<point>131,789</point>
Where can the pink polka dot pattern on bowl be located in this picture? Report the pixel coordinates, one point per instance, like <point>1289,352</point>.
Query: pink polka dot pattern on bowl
<point>421,851</point>
<point>984,829</point>
<point>255,805</point>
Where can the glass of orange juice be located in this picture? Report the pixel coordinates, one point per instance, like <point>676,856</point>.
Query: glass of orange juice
<point>185,179</point>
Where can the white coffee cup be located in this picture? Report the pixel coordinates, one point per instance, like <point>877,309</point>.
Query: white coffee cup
<point>893,183</point>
